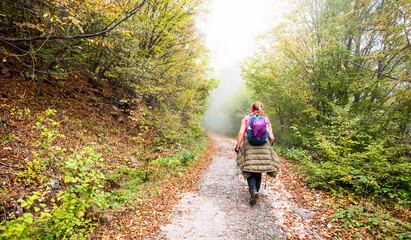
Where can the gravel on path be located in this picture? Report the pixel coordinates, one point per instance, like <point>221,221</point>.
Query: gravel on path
<point>213,212</point>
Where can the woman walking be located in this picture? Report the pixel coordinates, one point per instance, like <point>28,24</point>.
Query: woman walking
<point>252,159</point>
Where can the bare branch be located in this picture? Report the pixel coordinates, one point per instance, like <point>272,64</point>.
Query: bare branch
<point>363,67</point>
<point>69,37</point>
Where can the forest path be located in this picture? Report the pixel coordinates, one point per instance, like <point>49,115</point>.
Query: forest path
<point>212,212</point>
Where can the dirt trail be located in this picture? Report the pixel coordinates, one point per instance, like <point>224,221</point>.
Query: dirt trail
<point>212,212</point>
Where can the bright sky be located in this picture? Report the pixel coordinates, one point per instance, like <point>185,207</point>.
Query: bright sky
<point>232,25</point>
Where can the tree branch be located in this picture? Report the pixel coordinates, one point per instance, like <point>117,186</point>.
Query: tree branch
<point>363,67</point>
<point>69,37</point>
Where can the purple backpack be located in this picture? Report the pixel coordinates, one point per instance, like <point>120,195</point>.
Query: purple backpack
<point>257,133</point>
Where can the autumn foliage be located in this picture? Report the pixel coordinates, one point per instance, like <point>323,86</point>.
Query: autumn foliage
<point>336,76</point>
<point>100,101</point>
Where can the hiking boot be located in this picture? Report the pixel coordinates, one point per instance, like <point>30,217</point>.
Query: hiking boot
<point>253,199</point>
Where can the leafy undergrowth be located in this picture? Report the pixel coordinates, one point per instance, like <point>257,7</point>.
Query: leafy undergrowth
<point>81,159</point>
<point>344,215</point>
<point>155,201</point>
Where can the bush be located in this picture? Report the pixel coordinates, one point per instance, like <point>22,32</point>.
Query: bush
<point>343,157</point>
<point>65,214</point>
<point>175,161</point>
<point>377,172</point>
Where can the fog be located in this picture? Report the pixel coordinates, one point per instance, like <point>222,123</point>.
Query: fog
<point>230,27</point>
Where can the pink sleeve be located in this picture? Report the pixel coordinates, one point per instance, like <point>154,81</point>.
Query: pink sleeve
<point>246,120</point>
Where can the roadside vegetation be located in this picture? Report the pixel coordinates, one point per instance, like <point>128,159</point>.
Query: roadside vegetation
<point>65,188</point>
<point>100,106</point>
<point>334,78</point>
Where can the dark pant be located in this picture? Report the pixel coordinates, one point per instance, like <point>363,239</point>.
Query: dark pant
<point>254,182</point>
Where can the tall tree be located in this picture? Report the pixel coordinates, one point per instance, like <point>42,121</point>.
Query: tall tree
<point>338,53</point>
<point>337,72</point>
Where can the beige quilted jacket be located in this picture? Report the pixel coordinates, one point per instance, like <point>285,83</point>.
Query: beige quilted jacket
<point>257,159</point>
